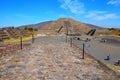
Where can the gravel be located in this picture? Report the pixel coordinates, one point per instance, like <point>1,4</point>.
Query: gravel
<point>51,61</point>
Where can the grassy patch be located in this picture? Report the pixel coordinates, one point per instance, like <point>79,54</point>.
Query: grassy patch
<point>116,69</point>
<point>115,36</point>
<point>18,39</point>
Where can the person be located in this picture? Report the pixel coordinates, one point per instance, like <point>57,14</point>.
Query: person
<point>108,57</point>
<point>117,63</point>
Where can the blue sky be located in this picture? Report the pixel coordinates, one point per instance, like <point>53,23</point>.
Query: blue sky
<point>20,12</point>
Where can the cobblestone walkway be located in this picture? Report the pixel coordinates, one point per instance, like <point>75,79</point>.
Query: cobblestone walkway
<point>50,61</point>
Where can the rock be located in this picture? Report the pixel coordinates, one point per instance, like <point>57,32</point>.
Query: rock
<point>50,61</point>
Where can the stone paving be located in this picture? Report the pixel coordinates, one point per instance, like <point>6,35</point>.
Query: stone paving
<point>51,61</point>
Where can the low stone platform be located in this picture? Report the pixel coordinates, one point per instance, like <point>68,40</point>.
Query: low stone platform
<point>51,61</point>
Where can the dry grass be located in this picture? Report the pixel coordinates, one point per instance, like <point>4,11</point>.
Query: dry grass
<point>18,39</point>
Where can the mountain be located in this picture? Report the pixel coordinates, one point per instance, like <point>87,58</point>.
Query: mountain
<point>36,26</point>
<point>94,26</point>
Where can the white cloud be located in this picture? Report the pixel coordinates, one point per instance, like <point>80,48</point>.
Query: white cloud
<point>114,2</point>
<point>101,15</point>
<point>77,7</point>
<point>74,6</point>
<point>94,13</point>
<point>107,16</point>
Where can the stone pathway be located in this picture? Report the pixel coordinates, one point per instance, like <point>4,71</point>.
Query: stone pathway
<point>51,61</point>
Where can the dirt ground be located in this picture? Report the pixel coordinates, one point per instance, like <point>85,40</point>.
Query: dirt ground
<point>51,61</point>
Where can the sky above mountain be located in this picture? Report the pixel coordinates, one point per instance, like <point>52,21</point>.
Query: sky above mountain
<point>100,12</point>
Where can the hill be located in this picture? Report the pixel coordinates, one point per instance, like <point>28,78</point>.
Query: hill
<point>36,26</point>
<point>94,26</point>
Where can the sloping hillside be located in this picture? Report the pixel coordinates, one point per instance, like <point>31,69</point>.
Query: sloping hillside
<point>94,26</point>
<point>36,26</point>
<point>115,31</point>
<point>102,32</point>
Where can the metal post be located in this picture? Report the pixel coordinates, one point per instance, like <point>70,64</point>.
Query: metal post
<point>83,51</point>
<point>66,38</point>
<point>71,42</point>
<point>32,38</point>
<point>21,42</point>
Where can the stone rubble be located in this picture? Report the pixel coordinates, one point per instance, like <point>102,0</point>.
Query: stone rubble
<point>51,61</point>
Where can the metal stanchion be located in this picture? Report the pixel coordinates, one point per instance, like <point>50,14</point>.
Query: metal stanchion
<point>21,42</point>
<point>66,38</point>
<point>32,38</point>
<point>83,51</point>
<point>71,42</point>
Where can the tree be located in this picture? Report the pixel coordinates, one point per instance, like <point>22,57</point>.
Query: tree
<point>25,28</point>
<point>36,29</point>
<point>30,29</point>
<point>111,29</point>
<point>3,28</point>
<point>12,27</point>
<point>18,28</point>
